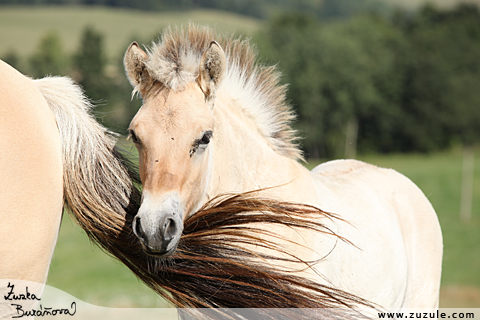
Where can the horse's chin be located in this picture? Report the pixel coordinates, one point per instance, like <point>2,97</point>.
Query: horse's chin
<point>159,254</point>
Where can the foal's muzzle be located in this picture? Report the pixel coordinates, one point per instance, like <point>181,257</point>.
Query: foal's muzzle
<point>158,230</point>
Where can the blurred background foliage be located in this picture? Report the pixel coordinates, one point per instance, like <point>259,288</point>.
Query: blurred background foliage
<point>408,82</point>
<point>360,73</point>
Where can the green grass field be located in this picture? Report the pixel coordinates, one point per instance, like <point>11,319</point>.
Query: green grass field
<point>84,271</point>
<point>21,28</point>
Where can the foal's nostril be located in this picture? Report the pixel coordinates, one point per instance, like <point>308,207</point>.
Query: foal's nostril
<point>169,229</point>
<point>137,229</point>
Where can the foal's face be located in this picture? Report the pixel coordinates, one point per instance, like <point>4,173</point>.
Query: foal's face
<point>172,132</point>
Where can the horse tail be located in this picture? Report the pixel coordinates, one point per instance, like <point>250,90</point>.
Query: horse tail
<point>98,187</point>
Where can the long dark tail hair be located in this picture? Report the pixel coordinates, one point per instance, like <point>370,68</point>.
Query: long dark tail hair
<point>211,267</point>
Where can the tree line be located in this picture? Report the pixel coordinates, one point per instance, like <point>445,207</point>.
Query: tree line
<point>409,83</point>
<point>405,84</point>
<point>256,8</point>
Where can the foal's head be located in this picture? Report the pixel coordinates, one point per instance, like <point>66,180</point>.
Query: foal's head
<point>172,131</point>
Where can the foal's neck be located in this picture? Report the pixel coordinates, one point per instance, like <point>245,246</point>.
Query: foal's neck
<point>242,158</point>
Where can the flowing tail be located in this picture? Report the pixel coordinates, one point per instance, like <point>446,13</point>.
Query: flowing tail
<point>98,187</point>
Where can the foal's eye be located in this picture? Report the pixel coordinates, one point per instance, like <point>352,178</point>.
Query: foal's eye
<point>202,143</point>
<point>205,138</point>
<point>133,136</point>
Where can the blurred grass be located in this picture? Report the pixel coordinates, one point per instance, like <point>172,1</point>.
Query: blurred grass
<point>84,271</point>
<point>22,27</point>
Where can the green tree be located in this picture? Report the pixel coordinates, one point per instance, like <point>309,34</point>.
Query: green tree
<point>90,71</point>
<point>90,63</point>
<point>347,8</point>
<point>49,59</point>
<point>444,84</point>
<point>339,74</point>
<point>14,60</point>
<point>442,96</point>
<point>378,66</point>
<point>292,41</point>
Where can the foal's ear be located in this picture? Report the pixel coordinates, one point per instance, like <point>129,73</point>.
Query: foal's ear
<point>134,62</point>
<point>212,68</point>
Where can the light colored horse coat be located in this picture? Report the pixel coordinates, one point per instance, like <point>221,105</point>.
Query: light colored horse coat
<point>215,122</point>
<point>31,194</point>
<point>53,153</point>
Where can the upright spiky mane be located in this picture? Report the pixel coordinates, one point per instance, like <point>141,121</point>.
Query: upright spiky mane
<point>174,61</point>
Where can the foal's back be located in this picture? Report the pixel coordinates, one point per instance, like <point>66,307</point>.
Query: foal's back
<point>395,228</point>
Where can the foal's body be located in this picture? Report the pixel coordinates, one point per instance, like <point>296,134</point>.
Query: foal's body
<point>397,252</point>
<point>212,125</point>
<point>396,257</point>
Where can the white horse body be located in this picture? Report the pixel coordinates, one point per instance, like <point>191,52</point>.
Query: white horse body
<point>397,258</point>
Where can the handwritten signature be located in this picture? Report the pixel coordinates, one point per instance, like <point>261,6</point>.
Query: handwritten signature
<point>41,312</point>
<point>12,296</point>
<point>34,312</point>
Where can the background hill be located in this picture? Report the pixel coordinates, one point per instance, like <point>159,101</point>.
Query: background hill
<point>21,28</point>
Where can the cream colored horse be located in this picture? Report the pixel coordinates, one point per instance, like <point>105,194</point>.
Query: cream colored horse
<point>213,121</point>
<point>31,178</point>
<point>52,151</point>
